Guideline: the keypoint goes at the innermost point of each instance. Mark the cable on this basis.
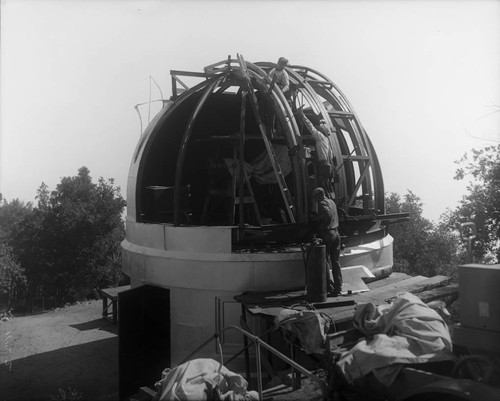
(149, 110)
(158, 86)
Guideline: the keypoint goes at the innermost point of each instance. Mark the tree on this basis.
(481, 204)
(11, 214)
(420, 247)
(70, 244)
(12, 277)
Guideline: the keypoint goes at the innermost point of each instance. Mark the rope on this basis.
(221, 356)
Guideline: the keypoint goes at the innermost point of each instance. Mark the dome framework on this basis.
(230, 150)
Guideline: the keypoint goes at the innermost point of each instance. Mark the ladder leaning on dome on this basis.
(287, 198)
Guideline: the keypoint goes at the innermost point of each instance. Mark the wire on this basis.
(221, 355)
(149, 109)
(136, 107)
(158, 86)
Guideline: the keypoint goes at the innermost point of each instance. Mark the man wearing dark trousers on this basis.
(328, 223)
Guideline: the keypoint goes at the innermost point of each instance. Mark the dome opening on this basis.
(191, 173)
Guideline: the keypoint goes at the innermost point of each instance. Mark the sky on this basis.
(423, 77)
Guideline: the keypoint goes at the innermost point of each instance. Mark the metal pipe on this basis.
(241, 179)
(259, 370)
(199, 348)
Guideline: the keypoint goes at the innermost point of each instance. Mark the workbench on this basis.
(111, 294)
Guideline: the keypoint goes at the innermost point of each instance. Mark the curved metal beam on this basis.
(360, 136)
(183, 147)
(312, 97)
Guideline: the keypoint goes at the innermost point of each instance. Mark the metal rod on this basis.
(241, 177)
(259, 370)
(199, 348)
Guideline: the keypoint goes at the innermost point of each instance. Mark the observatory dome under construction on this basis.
(220, 188)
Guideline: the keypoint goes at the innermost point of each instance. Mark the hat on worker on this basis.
(283, 61)
(318, 192)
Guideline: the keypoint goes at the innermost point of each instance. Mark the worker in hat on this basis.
(327, 220)
(323, 150)
(280, 76)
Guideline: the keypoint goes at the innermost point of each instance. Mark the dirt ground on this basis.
(71, 347)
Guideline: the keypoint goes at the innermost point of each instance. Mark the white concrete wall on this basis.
(197, 265)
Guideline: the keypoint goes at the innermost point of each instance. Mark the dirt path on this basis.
(70, 347)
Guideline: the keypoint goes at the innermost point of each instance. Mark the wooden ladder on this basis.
(287, 198)
(242, 201)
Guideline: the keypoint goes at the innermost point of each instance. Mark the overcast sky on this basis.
(424, 78)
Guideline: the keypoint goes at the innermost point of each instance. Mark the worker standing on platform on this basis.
(328, 222)
(324, 150)
(280, 76)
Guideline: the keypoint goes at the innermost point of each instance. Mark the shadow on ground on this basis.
(97, 324)
(90, 368)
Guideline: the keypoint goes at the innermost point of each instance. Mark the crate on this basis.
(479, 296)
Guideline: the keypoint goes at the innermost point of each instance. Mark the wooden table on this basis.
(111, 294)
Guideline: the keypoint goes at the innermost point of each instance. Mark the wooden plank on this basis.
(414, 285)
(407, 282)
(187, 73)
(112, 293)
(382, 292)
(438, 293)
(342, 314)
(338, 303)
(379, 296)
(393, 278)
(270, 297)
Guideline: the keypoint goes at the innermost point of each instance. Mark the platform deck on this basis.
(342, 308)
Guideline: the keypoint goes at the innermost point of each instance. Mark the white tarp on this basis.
(307, 326)
(202, 379)
(405, 331)
(261, 168)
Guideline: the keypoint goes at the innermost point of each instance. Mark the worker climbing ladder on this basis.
(287, 198)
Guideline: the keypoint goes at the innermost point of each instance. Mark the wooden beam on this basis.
(358, 184)
(450, 290)
(187, 73)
